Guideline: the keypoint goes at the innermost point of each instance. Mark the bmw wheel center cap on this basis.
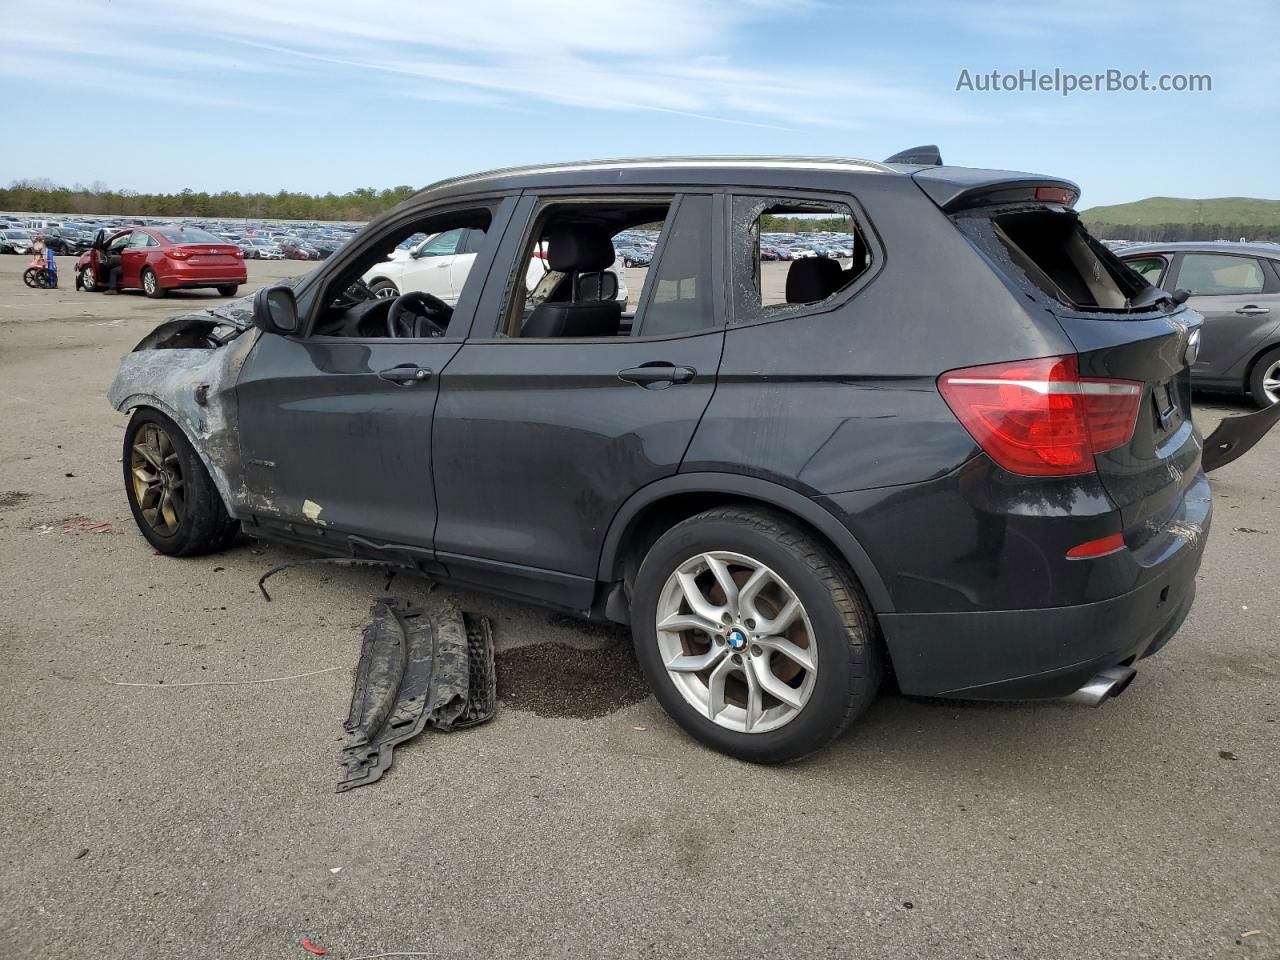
(737, 640)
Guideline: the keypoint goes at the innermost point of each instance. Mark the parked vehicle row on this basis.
(258, 240)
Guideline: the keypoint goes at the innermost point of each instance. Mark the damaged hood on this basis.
(237, 312)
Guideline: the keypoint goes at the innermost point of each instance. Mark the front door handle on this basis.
(406, 374)
(657, 373)
(1252, 310)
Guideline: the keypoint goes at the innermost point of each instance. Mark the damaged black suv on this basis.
(958, 446)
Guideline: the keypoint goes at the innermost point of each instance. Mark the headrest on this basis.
(579, 248)
(812, 279)
(597, 286)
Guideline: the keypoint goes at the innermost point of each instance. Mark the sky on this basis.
(331, 95)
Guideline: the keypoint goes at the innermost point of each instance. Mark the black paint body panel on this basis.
(523, 467)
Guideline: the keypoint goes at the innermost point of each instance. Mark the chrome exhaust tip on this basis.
(1107, 684)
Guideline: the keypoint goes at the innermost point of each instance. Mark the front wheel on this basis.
(384, 289)
(172, 497)
(151, 284)
(1264, 384)
(87, 283)
(753, 635)
(228, 289)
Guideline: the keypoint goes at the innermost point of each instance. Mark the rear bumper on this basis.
(1051, 652)
(203, 276)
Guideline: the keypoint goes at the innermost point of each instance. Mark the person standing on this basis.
(51, 266)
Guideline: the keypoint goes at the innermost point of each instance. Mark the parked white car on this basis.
(439, 265)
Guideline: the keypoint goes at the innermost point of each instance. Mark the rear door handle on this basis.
(1251, 310)
(406, 374)
(657, 373)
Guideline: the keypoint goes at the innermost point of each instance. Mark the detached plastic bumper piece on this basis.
(416, 669)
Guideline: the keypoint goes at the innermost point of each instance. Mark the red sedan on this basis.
(159, 259)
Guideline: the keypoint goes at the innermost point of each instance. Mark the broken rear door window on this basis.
(793, 255)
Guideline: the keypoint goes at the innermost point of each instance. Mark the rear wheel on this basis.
(753, 635)
(229, 289)
(1264, 384)
(383, 289)
(172, 497)
(151, 284)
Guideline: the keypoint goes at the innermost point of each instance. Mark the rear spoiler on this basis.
(957, 188)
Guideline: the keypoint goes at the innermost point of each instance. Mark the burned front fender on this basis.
(187, 369)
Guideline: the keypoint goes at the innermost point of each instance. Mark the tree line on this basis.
(43, 196)
(1183, 231)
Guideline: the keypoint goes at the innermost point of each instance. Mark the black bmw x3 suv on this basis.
(959, 447)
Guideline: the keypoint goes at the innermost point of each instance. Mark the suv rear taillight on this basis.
(1039, 417)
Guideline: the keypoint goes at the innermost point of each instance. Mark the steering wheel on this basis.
(417, 314)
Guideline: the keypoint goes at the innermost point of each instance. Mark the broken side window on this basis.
(790, 255)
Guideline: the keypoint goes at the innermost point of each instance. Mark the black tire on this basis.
(849, 661)
(85, 280)
(384, 288)
(151, 285)
(204, 525)
(1268, 366)
(229, 289)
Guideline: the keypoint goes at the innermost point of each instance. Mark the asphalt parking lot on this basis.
(201, 821)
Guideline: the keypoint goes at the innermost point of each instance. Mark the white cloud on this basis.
(667, 56)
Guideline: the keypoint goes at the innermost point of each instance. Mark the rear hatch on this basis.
(1123, 329)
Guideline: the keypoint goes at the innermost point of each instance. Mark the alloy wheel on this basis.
(86, 279)
(159, 488)
(736, 642)
(1271, 382)
(149, 282)
(385, 293)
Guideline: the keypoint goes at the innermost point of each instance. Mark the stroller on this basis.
(42, 278)
(42, 275)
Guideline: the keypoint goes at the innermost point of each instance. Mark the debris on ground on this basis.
(310, 947)
(337, 561)
(557, 680)
(416, 668)
(11, 498)
(80, 524)
(1227, 755)
(218, 683)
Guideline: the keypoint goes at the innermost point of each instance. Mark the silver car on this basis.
(1236, 287)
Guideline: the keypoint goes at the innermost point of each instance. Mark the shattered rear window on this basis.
(1050, 250)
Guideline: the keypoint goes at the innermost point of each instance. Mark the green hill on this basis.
(1175, 218)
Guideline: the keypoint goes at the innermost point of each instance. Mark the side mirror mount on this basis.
(1180, 295)
(275, 310)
